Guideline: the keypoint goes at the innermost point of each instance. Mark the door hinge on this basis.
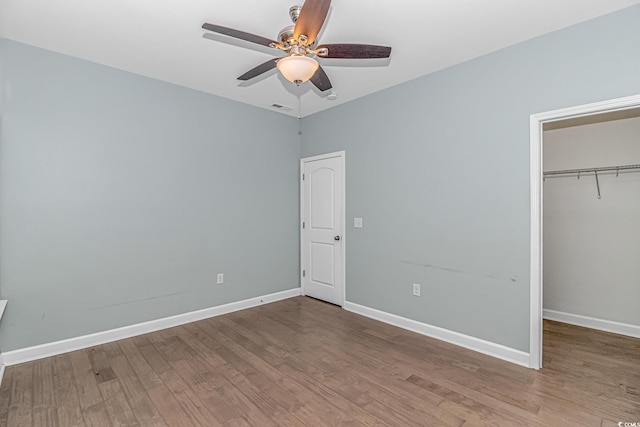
(303, 177)
(303, 224)
(304, 273)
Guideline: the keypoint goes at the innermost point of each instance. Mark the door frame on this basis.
(536, 168)
(341, 155)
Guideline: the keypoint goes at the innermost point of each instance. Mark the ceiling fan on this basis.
(299, 42)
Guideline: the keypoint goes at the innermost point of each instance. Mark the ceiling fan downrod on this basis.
(294, 13)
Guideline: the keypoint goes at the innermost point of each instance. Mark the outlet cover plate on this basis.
(416, 290)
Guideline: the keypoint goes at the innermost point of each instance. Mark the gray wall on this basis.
(122, 197)
(439, 170)
(591, 245)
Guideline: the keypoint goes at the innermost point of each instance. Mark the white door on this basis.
(322, 239)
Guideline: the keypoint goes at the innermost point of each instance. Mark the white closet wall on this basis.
(592, 246)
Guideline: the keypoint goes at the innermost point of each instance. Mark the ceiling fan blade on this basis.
(260, 69)
(311, 19)
(242, 35)
(321, 80)
(353, 51)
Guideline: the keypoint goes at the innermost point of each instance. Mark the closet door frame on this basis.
(536, 123)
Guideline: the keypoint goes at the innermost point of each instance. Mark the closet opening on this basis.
(585, 230)
(591, 235)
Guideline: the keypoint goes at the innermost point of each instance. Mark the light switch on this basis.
(357, 222)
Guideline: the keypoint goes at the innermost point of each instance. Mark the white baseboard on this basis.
(486, 347)
(593, 323)
(54, 348)
(1, 369)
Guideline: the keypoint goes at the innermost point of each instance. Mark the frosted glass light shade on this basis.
(297, 69)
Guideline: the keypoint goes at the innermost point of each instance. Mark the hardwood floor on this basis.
(301, 362)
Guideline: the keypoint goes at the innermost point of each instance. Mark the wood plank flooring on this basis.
(301, 362)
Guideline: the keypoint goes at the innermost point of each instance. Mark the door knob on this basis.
(336, 238)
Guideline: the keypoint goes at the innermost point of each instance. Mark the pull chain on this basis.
(299, 104)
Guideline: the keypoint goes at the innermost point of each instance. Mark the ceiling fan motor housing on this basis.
(286, 35)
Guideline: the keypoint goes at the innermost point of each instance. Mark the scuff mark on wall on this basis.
(511, 278)
(134, 301)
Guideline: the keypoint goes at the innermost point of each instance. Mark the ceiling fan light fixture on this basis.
(297, 69)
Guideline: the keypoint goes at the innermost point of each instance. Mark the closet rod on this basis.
(615, 169)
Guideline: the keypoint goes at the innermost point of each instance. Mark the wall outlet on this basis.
(357, 222)
(220, 278)
(416, 290)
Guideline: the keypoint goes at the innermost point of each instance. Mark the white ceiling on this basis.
(163, 39)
